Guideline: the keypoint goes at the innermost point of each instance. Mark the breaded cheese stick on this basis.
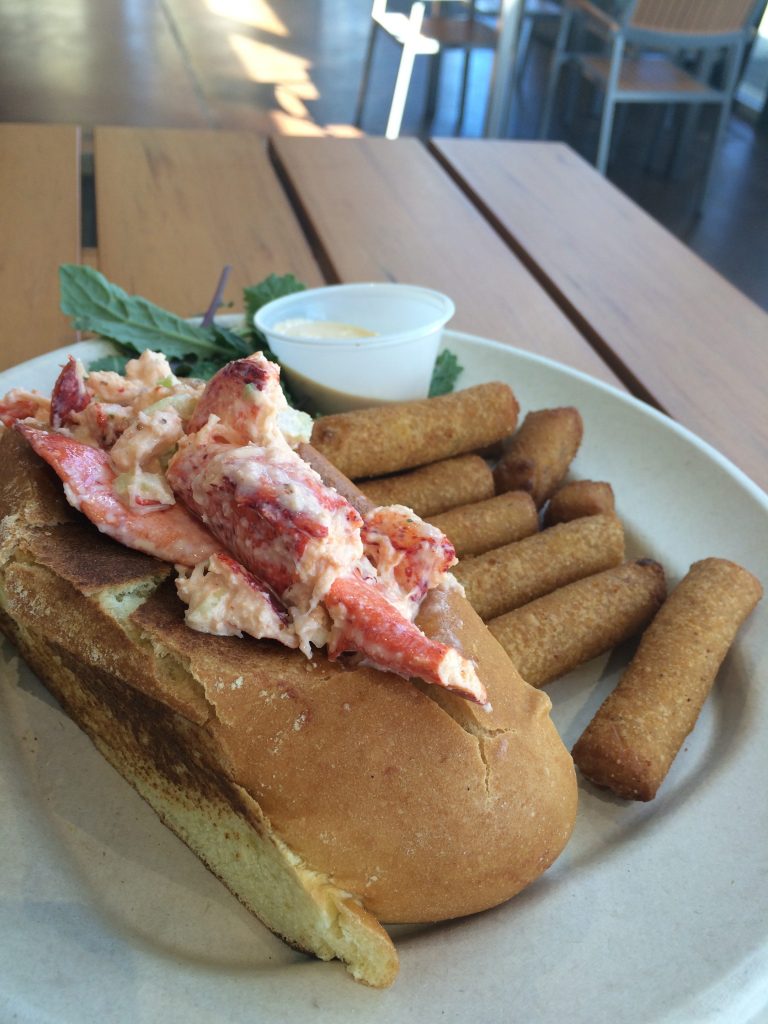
(435, 488)
(579, 498)
(540, 453)
(484, 525)
(557, 632)
(631, 742)
(401, 435)
(508, 577)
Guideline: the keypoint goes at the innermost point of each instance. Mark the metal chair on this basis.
(419, 34)
(642, 62)
(534, 11)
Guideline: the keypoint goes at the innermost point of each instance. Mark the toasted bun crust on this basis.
(389, 799)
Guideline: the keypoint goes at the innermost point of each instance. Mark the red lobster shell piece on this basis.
(69, 394)
(364, 621)
(170, 534)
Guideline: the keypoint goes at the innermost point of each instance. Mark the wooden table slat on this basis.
(40, 229)
(684, 334)
(174, 207)
(386, 210)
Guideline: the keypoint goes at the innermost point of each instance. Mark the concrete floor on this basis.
(294, 66)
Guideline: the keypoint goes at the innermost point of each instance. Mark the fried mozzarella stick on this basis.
(484, 525)
(631, 742)
(579, 498)
(557, 632)
(402, 435)
(508, 577)
(540, 453)
(436, 488)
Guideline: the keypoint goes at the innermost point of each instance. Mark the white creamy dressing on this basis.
(320, 330)
(221, 601)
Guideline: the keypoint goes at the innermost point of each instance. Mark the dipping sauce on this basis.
(300, 327)
(323, 399)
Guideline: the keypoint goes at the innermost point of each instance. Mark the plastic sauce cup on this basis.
(394, 363)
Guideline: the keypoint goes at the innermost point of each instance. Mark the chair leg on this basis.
(404, 72)
(729, 87)
(558, 57)
(574, 94)
(433, 83)
(523, 46)
(663, 126)
(688, 128)
(520, 49)
(463, 93)
(365, 81)
(609, 107)
(683, 141)
(606, 129)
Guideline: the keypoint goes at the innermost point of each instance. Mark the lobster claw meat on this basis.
(171, 534)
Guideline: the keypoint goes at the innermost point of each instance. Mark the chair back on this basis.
(692, 17)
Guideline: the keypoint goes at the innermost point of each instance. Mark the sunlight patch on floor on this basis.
(255, 13)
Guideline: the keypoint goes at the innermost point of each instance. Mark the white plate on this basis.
(655, 912)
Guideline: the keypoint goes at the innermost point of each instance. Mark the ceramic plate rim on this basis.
(378, 1006)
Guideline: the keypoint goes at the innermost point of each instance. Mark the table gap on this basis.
(595, 340)
(89, 238)
(318, 250)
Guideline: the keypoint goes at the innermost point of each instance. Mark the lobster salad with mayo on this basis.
(207, 476)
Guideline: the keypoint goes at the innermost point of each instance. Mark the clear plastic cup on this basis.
(394, 363)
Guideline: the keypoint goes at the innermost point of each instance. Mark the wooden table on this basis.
(536, 249)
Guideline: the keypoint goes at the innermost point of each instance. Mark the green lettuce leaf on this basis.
(97, 305)
(272, 287)
(445, 374)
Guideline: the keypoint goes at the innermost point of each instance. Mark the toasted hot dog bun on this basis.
(327, 798)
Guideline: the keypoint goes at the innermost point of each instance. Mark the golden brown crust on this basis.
(580, 498)
(410, 809)
(89, 561)
(485, 525)
(391, 438)
(165, 759)
(553, 634)
(79, 614)
(29, 487)
(506, 578)
(436, 488)
(540, 453)
(631, 742)
(385, 747)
